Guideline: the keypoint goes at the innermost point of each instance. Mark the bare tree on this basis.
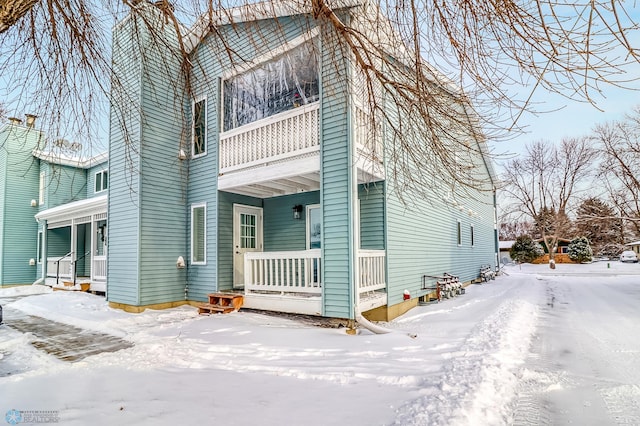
(56, 55)
(543, 184)
(620, 166)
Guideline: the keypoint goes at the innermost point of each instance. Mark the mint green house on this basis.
(53, 210)
(264, 178)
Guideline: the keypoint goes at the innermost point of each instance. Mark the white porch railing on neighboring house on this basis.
(99, 271)
(283, 272)
(281, 136)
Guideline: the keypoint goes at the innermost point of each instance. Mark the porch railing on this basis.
(281, 136)
(99, 268)
(283, 271)
(372, 270)
(60, 267)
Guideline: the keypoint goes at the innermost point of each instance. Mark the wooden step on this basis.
(226, 299)
(210, 308)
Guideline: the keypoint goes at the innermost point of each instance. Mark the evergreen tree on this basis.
(579, 250)
(597, 221)
(525, 249)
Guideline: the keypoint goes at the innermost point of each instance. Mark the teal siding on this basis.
(372, 226)
(19, 185)
(336, 182)
(123, 232)
(63, 184)
(58, 241)
(226, 201)
(281, 231)
(91, 179)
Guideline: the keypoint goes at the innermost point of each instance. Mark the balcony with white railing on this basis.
(264, 150)
(369, 146)
(291, 281)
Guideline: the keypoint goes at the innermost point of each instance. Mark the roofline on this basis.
(80, 163)
(74, 209)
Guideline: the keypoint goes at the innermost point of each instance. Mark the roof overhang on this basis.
(73, 210)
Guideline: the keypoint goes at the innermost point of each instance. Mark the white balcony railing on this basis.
(283, 271)
(372, 271)
(368, 137)
(278, 137)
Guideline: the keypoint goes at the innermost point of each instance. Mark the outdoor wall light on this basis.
(32, 262)
(297, 211)
(33, 203)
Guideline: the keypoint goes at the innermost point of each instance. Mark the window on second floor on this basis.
(283, 83)
(199, 128)
(102, 181)
(41, 190)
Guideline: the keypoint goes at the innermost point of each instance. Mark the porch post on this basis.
(74, 255)
(92, 246)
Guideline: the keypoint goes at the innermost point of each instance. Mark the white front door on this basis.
(247, 236)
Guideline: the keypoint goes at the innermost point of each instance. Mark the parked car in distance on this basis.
(628, 256)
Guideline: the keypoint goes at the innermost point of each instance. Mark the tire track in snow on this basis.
(478, 382)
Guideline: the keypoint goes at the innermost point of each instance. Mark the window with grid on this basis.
(247, 230)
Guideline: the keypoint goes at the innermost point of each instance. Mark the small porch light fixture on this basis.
(297, 211)
(33, 203)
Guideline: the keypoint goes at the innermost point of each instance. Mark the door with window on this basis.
(247, 237)
(314, 239)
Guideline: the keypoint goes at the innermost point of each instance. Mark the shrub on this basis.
(525, 249)
(579, 250)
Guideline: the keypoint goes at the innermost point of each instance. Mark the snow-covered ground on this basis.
(538, 346)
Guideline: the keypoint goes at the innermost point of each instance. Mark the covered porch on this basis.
(269, 179)
(72, 244)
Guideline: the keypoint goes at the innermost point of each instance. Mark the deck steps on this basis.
(221, 303)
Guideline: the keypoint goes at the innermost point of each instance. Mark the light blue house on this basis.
(265, 178)
(53, 210)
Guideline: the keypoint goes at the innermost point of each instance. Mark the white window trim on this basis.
(193, 126)
(193, 207)
(43, 177)
(459, 232)
(261, 59)
(473, 235)
(307, 216)
(39, 247)
(95, 179)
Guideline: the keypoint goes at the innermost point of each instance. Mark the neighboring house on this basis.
(271, 191)
(505, 251)
(635, 246)
(52, 211)
(561, 255)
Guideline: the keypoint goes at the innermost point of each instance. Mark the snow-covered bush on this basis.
(525, 249)
(579, 250)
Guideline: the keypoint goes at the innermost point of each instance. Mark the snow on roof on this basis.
(635, 243)
(506, 244)
(65, 160)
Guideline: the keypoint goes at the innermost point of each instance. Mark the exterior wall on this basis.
(91, 179)
(19, 182)
(63, 184)
(336, 182)
(58, 241)
(147, 209)
(224, 265)
(281, 231)
(372, 208)
(123, 232)
(210, 61)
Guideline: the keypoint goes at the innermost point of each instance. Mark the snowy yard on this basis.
(538, 346)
